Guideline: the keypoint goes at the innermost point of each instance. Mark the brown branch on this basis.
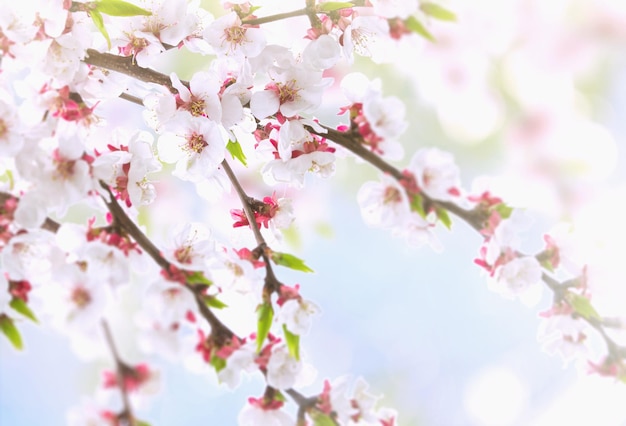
(277, 17)
(131, 98)
(120, 371)
(271, 282)
(220, 332)
(352, 142)
(243, 197)
(304, 405)
(126, 65)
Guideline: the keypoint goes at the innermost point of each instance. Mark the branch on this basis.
(126, 65)
(219, 331)
(277, 17)
(351, 141)
(120, 371)
(304, 405)
(271, 282)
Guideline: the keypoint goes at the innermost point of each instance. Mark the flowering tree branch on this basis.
(57, 152)
(220, 332)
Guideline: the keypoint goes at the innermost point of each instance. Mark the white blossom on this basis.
(436, 173)
(296, 315)
(282, 368)
(520, 277)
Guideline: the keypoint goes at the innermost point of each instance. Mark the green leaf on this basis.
(197, 277)
(582, 306)
(214, 302)
(321, 419)
(266, 315)
(120, 8)
(417, 205)
(7, 177)
(9, 329)
(20, 306)
(234, 147)
(546, 264)
(96, 17)
(329, 6)
(218, 363)
(503, 210)
(290, 261)
(141, 423)
(417, 27)
(293, 343)
(443, 216)
(438, 12)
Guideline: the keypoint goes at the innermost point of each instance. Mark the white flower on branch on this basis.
(256, 413)
(282, 368)
(384, 204)
(197, 148)
(229, 37)
(76, 299)
(292, 91)
(366, 36)
(437, 173)
(519, 277)
(241, 360)
(296, 315)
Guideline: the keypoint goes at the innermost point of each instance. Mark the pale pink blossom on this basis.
(322, 53)
(144, 47)
(229, 37)
(385, 115)
(366, 36)
(296, 315)
(197, 148)
(169, 302)
(190, 246)
(436, 173)
(292, 91)
(201, 98)
(384, 204)
(76, 299)
(418, 232)
(563, 334)
(518, 278)
(255, 414)
(125, 167)
(282, 368)
(292, 171)
(241, 360)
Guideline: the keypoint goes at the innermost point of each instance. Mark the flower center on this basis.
(81, 297)
(196, 143)
(196, 107)
(235, 34)
(391, 195)
(287, 92)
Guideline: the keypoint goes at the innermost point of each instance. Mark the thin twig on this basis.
(271, 282)
(274, 18)
(126, 65)
(120, 370)
(243, 197)
(219, 330)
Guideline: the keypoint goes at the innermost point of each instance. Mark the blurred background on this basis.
(530, 97)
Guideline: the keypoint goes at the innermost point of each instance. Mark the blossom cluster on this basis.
(68, 66)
